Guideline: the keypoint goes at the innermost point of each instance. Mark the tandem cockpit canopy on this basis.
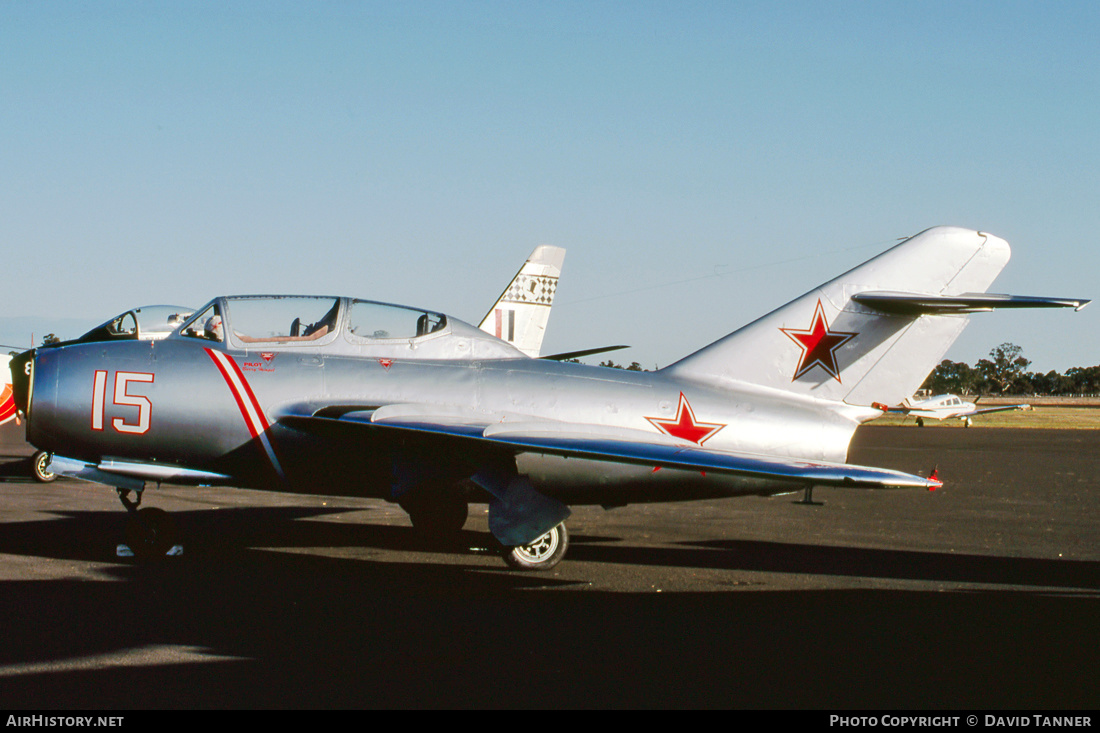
(304, 320)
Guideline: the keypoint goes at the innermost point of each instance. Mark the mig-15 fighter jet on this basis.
(343, 395)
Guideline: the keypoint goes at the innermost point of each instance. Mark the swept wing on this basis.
(509, 435)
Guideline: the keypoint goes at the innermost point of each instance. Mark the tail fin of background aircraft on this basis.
(520, 314)
(873, 334)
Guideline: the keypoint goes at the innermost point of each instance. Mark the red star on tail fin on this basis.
(819, 345)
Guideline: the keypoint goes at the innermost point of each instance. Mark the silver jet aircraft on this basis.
(342, 395)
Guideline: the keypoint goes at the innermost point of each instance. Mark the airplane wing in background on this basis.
(1000, 408)
(584, 352)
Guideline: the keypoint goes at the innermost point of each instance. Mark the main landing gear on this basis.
(441, 518)
(151, 534)
(542, 554)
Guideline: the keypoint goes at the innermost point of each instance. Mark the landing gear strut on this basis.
(808, 498)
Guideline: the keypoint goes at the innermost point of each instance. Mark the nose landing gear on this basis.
(40, 466)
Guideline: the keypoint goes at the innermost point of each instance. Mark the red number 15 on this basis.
(123, 397)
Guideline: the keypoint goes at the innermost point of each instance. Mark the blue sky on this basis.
(702, 162)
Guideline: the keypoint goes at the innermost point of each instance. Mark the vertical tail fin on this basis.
(829, 345)
(520, 314)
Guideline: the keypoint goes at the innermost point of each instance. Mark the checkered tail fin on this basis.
(521, 313)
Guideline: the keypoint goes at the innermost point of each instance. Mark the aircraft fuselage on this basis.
(188, 402)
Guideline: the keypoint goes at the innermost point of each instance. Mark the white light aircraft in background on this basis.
(946, 407)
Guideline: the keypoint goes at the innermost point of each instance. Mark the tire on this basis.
(38, 467)
(542, 554)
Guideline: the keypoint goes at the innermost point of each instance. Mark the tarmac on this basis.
(983, 595)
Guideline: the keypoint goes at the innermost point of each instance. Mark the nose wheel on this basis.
(39, 464)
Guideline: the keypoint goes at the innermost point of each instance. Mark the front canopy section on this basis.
(147, 323)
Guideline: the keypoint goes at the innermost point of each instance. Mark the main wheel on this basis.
(39, 463)
(542, 554)
(151, 533)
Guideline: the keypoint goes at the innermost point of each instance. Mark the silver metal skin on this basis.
(337, 395)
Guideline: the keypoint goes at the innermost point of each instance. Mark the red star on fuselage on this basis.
(819, 345)
(685, 426)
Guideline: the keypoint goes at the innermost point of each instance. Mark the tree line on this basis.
(1006, 372)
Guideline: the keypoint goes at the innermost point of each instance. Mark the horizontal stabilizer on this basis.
(912, 304)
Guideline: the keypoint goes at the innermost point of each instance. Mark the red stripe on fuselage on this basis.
(234, 391)
(254, 418)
